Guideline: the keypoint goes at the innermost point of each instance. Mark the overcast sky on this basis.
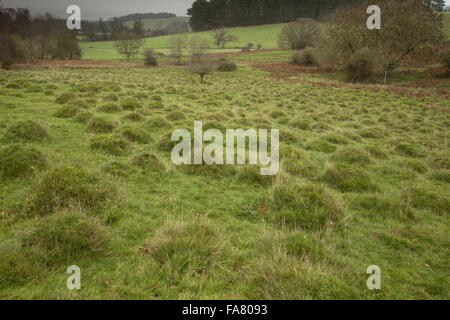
(93, 9)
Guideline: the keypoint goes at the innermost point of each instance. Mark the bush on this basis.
(27, 131)
(64, 237)
(101, 125)
(149, 161)
(70, 188)
(305, 57)
(110, 143)
(150, 58)
(361, 66)
(306, 205)
(226, 66)
(300, 34)
(20, 160)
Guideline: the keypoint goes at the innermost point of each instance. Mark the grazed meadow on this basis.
(86, 179)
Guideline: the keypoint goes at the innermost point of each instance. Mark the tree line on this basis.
(212, 14)
(31, 38)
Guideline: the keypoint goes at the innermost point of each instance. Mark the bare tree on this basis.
(197, 47)
(300, 34)
(129, 44)
(399, 36)
(31, 49)
(178, 45)
(222, 36)
(201, 68)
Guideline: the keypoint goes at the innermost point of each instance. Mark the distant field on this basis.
(155, 23)
(447, 24)
(265, 35)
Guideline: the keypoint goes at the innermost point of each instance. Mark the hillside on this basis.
(265, 35)
(158, 23)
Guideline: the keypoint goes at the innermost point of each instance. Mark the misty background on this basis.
(94, 9)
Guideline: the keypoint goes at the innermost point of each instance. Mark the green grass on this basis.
(265, 35)
(364, 181)
(158, 23)
(446, 18)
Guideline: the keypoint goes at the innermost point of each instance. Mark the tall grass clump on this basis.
(19, 160)
(27, 131)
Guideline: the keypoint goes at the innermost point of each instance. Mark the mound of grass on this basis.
(305, 205)
(441, 175)
(352, 155)
(149, 161)
(27, 131)
(302, 245)
(252, 174)
(347, 178)
(66, 111)
(70, 187)
(83, 116)
(134, 134)
(321, 145)
(110, 143)
(420, 197)
(101, 125)
(130, 104)
(65, 97)
(19, 160)
(158, 122)
(134, 116)
(176, 116)
(110, 108)
(65, 237)
(165, 143)
(213, 170)
(409, 150)
(376, 151)
(187, 248)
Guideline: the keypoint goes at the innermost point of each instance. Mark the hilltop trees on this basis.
(207, 15)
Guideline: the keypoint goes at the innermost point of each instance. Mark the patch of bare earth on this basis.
(419, 89)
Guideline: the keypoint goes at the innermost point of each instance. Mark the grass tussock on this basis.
(27, 131)
(19, 160)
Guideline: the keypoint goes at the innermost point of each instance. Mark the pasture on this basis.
(364, 180)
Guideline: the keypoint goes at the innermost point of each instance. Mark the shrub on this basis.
(110, 143)
(64, 237)
(300, 34)
(348, 179)
(101, 125)
(70, 188)
(18, 160)
(27, 131)
(306, 205)
(360, 66)
(305, 57)
(226, 66)
(149, 161)
(187, 248)
(201, 68)
(150, 58)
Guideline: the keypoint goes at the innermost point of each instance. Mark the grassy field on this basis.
(158, 23)
(447, 24)
(266, 35)
(86, 180)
